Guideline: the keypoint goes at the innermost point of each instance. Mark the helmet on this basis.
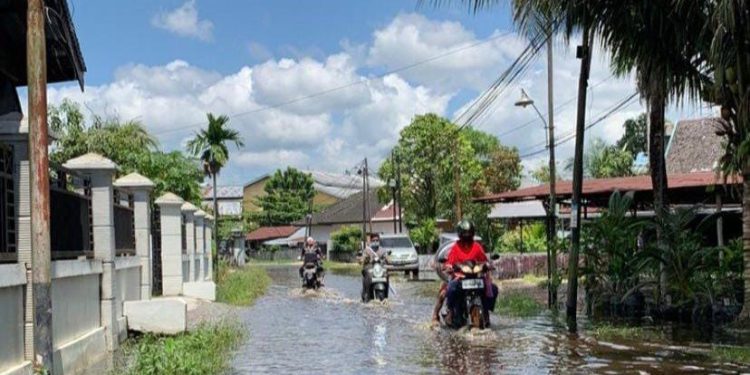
(310, 241)
(465, 230)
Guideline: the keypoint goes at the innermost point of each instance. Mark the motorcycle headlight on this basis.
(465, 269)
(478, 268)
(378, 272)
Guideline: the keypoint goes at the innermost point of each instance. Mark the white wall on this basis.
(185, 268)
(75, 299)
(11, 326)
(128, 274)
(322, 233)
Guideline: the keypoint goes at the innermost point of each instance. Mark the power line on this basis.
(348, 85)
(572, 135)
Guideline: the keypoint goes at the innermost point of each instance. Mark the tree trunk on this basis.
(215, 253)
(658, 169)
(745, 314)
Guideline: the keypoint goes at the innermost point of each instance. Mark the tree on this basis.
(210, 145)
(541, 173)
(128, 144)
(605, 161)
(634, 140)
(287, 199)
(504, 170)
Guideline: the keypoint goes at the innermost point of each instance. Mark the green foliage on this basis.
(517, 305)
(631, 333)
(736, 354)
(228, 224)
(203, 351)
(541, 173)
(425, 235)
(210, 144)
(604, 161)
(241, 286)
(504, 170)
(614, 260)
(126, 143)
(347, 239)
(287, 198)
(534, 239)
(634, 139)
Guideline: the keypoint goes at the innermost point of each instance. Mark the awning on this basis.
(533, 209)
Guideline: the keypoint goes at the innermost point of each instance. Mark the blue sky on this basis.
(167, 63)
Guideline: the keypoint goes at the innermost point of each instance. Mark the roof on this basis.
(340, 185)
(64, 57)
(523, 209)
(223, 192)
(269, 233)
(256, 180)
(347, 211)
(386, 213)
(695, 146)
(606, 186)
(297, 236)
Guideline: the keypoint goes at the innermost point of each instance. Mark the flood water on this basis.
(331, 332)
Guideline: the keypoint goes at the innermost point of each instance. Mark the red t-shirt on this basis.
(461, 253)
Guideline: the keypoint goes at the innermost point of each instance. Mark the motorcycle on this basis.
(473, 289)
(310, 272)
(379, 282)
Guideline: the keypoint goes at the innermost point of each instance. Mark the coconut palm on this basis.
(211, 146)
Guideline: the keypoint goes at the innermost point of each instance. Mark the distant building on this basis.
(228, 197)
(330, 188)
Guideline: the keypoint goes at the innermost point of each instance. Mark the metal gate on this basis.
(156, 251)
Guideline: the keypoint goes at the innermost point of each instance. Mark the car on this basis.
(402, 256)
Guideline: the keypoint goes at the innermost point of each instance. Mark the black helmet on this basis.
(465, 230)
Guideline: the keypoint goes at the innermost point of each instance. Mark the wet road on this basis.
(331, 332)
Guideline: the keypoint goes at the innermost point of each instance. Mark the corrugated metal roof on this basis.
(268, 233)
(223, 192)
(512, 210)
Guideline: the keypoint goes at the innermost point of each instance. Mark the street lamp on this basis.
(392, 185)
(523, 102)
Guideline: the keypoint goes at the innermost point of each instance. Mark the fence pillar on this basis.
(101, 170)
(141, 188)
(189, 209)
(209, 225)
(171, 243)
(200, 244)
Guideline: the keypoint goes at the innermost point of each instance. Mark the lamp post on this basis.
(392, 185)
(523, 102)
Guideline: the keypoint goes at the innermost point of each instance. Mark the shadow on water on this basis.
(330, 331)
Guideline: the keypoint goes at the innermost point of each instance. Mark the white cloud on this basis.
(271, 159)
(184, 21)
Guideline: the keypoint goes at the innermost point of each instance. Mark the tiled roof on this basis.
(223, 192)
(695, 146)
(269, 233)
(386, 213)
(609, 185)
(347, 211)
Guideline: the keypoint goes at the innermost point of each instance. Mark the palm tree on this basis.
(728, 30)
(210, 145)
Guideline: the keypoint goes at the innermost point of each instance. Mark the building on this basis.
(694, 146)
(228, 197)
(349, 212)
(286, 233)
(330, 188)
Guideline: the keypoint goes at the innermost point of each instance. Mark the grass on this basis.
(538, 281)
(206, 350)
(736, 354)
(340, 268)
(517, 305)
(241, 286)
(632, 333)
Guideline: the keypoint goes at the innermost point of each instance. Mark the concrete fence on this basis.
(93, 285)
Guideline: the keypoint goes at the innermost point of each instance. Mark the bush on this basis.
(241, 286)
(346, 239)
(517, 305)
(534, 240)
(425, 235)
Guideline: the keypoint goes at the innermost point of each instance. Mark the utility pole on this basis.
(457, 181)
(364, 204)
(367, 196)
(583, 53)
(36, 62)
(398, 193)
(551, 210)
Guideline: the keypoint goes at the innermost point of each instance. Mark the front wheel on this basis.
(380, 294)
(477, 317)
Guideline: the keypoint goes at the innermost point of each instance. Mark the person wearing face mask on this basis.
(372, 251)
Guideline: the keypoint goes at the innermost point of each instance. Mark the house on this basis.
(329, 188)
(229, 199)
(348, 212)
(258, 237)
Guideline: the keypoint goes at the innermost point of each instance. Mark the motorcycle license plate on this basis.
(468, 284)
(378, 279)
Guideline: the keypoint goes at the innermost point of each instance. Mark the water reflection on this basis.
(331, 332)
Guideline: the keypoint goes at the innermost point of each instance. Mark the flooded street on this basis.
(331, 332)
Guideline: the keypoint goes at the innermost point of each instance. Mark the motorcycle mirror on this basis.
(495, 256)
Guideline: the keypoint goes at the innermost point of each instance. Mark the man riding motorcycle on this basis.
(311, 250)
(464, 250)
(371, 251)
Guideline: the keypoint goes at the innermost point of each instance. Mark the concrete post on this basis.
(171, 243)
(141, 188)
(200, 244)
(209, 246)
(188, 209)
(100, 170)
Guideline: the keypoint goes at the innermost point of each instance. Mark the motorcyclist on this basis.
(464, 250)
(371, 251)
(311, 252)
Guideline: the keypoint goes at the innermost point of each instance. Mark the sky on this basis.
(323, 84)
